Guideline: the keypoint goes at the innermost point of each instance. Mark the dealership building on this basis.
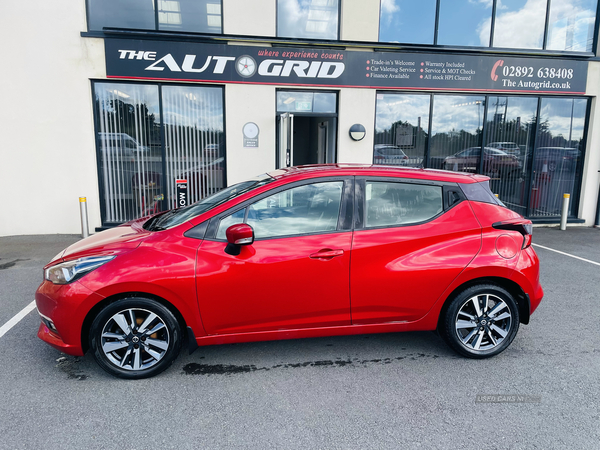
(117, 100)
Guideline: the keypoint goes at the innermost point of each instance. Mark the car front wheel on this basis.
(481, 321)
(135, 338)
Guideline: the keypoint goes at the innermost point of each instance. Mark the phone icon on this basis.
(499, 63)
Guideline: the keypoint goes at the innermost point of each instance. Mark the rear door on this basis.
(411, 240)
(294, 275)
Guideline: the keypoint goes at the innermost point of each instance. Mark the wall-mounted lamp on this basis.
(357, 132)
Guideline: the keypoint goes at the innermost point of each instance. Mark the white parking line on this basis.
(566, 254)
(16, 319)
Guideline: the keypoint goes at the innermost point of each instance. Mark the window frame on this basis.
(160, 85)
(490, 45)
(360, 202)
(156, 23)
(339, 25)
(345, 218)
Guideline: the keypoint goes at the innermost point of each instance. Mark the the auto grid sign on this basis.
(201, 62)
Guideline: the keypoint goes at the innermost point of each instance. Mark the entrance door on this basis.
(307, 128)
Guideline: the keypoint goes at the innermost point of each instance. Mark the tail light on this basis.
(525, 227)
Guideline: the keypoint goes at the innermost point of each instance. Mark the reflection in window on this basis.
(557, 155)
(314, 19)
(306, 209)
(389, 204)
(510, 132)
(519, 24)
(463, 22)
(571, 25)
(456, 127)
(407, 21)
(200, 16)
(138, 14)
(226, 222)
(302, 101)
(401, 129)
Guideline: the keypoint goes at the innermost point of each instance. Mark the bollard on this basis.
(84, 217)
(564, 212)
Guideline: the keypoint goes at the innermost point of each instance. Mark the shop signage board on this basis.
(203, 62)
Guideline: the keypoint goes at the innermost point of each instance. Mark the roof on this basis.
(345, 169)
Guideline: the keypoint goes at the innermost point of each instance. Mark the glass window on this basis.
(302, 101)
(194, 139)
(559, 150)
(401, 129)
(465, 22)
(133, 155)
(520, 23)
(200, 16)
(571, 25)
(226, 222)
(389, 204)
(137, 14)
(308, 209)
(456, 126)
(510, 136)
(407, 21)
(314, 19)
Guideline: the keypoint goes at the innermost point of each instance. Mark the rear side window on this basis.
(480, 192)
(389, 203)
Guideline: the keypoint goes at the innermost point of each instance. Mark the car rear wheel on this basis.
(135, 338)
(481, 321)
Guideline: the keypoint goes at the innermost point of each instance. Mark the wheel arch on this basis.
(95, 310)
(513, 288)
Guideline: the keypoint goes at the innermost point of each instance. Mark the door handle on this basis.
(326, 254)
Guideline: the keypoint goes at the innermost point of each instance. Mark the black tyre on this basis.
(481, 321)
(135, 338)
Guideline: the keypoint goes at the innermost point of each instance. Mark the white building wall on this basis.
(47, 150)
(249, 103)
(356, 106)
(360, 20)
(250, 17)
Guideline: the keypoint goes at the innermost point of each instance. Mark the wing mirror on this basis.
(237, 236)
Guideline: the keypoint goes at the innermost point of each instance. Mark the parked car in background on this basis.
(120, 142)
(509, 147)
(552, 158)
(494, 161)
(389, 154)
(280, 256)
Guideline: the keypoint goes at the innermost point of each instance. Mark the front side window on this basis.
(309, 209)
(312, 19)
(390, 203)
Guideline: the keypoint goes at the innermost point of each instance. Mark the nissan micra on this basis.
(300, 252)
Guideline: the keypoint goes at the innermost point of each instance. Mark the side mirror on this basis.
(238, 235)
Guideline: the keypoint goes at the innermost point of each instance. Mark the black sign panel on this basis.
(186, 61)
(182, 193)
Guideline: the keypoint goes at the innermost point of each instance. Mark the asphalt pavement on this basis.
(405, 390)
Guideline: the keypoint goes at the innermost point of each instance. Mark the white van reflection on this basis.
(119, 142)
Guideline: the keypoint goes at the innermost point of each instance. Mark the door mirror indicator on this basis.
(238, 235)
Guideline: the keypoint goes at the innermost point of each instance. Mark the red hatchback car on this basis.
(300, 252)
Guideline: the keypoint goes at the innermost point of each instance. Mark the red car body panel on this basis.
(398, 273)
(371, 280)
(274, 284)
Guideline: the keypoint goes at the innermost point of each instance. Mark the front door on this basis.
(294, 275)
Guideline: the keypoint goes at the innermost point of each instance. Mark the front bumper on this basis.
(66, 306)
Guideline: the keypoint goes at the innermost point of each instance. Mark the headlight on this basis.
(69, 271)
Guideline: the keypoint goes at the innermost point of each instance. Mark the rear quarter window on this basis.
(390, 203)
